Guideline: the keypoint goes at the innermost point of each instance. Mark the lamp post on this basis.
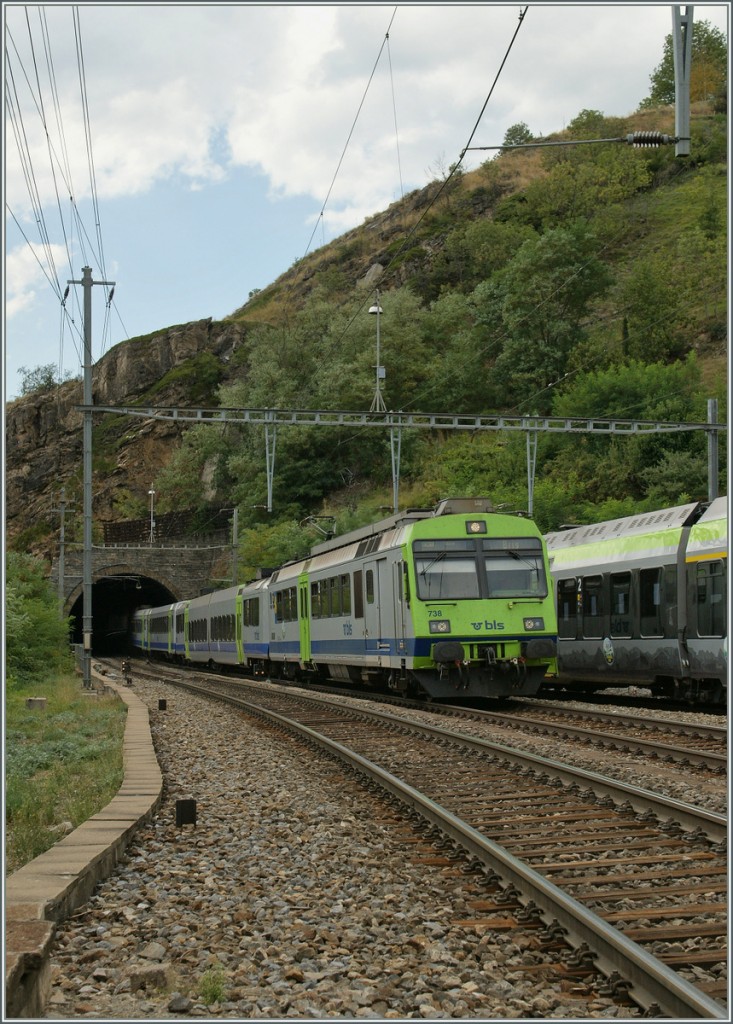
(378, 402)
(395, 436)
(151, 492)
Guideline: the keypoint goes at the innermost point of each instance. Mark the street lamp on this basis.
(378, 402)
(151, 492)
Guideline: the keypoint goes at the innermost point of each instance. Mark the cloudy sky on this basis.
(202, 149)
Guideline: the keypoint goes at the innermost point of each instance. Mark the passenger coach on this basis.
(643, 601)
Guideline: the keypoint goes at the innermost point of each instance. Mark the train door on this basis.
(398, 602)
(238, 628)
(304, 619)
(373, 582)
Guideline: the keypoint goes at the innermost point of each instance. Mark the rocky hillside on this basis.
(44, 430)
(180, 366)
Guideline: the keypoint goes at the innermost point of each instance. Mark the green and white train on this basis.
(642, 601)
(430, 601)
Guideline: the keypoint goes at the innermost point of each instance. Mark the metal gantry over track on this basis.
(396, 422)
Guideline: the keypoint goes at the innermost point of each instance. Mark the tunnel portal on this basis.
(114, 600)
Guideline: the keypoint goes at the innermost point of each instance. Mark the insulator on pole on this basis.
(649, 140)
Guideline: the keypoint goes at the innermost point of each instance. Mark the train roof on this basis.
(709, 535)
(448, 506)
(628, 526)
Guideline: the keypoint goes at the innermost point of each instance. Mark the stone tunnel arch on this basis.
(116, 593)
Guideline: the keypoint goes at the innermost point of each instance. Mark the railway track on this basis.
(635, 883)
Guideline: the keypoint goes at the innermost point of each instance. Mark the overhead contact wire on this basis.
(351, 132)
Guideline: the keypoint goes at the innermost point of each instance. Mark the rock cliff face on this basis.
(44, 444)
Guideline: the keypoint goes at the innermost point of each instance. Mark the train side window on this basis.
(621, 604)
(316, 600)
(711, 594)
(669, 611)
(593, 607)
(370, 586)
(346, 595)
(335, 596)
(650, 602)
(567, 608)
(358, 595)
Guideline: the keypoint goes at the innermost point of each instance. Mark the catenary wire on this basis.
(351, 132)
(362, 303)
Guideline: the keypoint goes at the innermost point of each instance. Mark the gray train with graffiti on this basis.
(643, 601)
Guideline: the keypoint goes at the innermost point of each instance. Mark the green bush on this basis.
(37, 639)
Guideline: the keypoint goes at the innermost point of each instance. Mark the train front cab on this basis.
(481, 606)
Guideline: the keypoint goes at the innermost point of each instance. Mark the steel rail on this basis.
(632, 719)
(608, 739)
(657, 988)
(427, 420)
(666, 808)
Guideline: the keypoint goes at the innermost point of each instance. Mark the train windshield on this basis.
(514, 567)
(446, 576)
(454, 570)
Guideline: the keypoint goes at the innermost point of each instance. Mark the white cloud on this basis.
(24, 277)
(282, 83)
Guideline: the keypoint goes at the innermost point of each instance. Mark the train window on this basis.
(346, 595)
(251, 612)
(670, 601)
(567, 608)
(316, 600)
(370, 586)
(711, 595)
(650, 602)
(516, 571)
(621, 604)
(334, 596)
(446, 577)
(358, 595)
(593, 606)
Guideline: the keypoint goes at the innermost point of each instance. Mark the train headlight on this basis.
(533, 624)
(439, 626)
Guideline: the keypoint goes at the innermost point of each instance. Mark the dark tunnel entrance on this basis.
(114, 599)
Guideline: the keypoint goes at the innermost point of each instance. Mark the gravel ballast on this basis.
(297, 894)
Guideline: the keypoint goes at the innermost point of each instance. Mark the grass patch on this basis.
(62, 763)
(213, 985)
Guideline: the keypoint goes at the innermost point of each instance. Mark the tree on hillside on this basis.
(40, 378)
(534, 309)
(517, 135)
(708, 70)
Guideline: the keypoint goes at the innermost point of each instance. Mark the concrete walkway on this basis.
(48, 889)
